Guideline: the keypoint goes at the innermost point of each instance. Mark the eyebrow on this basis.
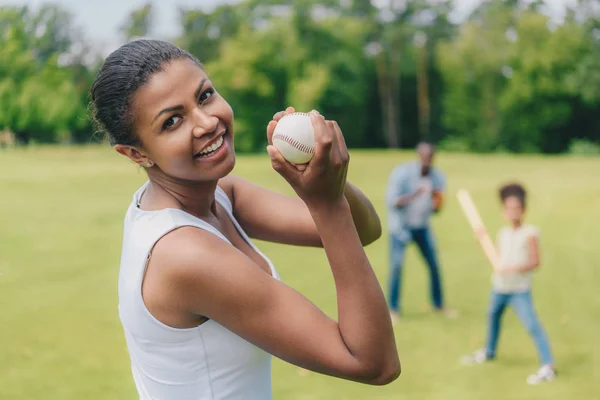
(180, 107)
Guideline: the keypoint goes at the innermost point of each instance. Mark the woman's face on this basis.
(184, 126)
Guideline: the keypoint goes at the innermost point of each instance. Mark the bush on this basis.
(584, 147)
(454, 144)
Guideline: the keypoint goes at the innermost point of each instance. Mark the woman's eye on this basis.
(171, 122)
(206, 95)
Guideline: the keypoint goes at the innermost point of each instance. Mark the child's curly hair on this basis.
(513, 190)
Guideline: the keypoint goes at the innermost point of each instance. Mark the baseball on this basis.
(294, 137)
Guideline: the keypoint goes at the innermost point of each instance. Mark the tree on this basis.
(511, 79)
(52, 32)
(395, 29)
(538, 99)
(203, 32)
(39, 98)
(139, 22)
(472, 66)
(299, 58)
(423, 87)
(586, 78)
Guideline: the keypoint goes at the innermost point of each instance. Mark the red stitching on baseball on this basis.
(294, 143)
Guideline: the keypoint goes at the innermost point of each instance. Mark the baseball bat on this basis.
(478, 227)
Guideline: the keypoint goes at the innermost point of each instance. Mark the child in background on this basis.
(518, 248)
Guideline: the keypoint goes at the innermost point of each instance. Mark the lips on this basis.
(211, 148)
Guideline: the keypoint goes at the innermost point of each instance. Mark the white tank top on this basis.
(205, 362)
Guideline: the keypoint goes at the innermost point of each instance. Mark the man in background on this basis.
(414, 193)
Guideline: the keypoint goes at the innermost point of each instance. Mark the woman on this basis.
(201, 306)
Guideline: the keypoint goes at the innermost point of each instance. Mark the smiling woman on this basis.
(202, 308)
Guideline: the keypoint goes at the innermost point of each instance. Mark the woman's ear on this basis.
(134, 155)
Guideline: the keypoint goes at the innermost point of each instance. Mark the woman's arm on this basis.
(268, 215)
(220, 282)
(364, 216)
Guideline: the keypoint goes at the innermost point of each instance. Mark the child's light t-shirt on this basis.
(513, 249)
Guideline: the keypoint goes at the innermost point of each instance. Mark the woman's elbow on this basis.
(372, 234)
(385, 374)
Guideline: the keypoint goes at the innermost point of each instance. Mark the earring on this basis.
(149, 164)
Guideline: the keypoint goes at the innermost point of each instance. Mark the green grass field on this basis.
(61, 213)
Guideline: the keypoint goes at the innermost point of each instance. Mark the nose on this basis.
(204, 123)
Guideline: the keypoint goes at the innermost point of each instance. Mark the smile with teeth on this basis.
(212, 148)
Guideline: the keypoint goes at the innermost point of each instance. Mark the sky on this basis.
(100, 19)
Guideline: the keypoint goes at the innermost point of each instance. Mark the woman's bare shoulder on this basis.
(227, 183)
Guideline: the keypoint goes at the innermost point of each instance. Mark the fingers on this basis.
(273, 123)
(280, 114)
(270, 130)
(341, 142)
(342, 151)
(324, 138)
(336, 156)
(330, 143)
(289, 172)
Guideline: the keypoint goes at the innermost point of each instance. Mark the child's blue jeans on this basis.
(522, 304)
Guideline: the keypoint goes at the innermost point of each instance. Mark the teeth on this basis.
(213, 147)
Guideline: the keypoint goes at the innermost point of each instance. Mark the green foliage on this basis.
(508, 78)
(138, 23)
(454, 144)
(240, 78)
(537, 96)
(512, 83)
(53, 32)
(317, 66)
(203, 31)
(40, 98)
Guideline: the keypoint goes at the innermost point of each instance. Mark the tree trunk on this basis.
(394, 87)
(386, 99)
(388, 80)
(423, 93)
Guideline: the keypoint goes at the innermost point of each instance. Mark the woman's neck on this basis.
(196, 198)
